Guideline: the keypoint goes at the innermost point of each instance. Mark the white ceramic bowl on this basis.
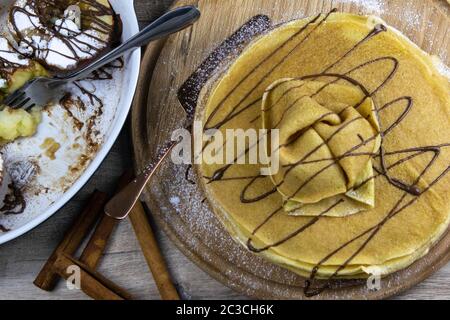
(125, 8)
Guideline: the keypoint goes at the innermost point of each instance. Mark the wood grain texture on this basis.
(21, 259)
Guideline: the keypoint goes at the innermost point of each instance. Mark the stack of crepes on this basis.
(331, 205)
(318, 137)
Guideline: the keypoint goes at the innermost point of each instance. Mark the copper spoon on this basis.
(121, 205)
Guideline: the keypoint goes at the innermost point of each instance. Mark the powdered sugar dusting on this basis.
(442, 67)
(183, 207)
(175, 201)
(189, 92)
(404, 16)
(371, 6)
(7, 53)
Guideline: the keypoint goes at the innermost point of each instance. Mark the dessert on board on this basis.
(363, 116)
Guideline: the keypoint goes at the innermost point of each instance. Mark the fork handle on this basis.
(171, 22)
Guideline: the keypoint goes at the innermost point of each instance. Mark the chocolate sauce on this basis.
(14, 202)
(187, 175)
(7, 66)
(189, 95)
(105, 73)
(234, 111)
(45, 11)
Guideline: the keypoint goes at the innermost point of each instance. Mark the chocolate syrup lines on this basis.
(371, 232)
(105, 73)
(6, 64)
(375, 31)
(410, 193)
(41, 15)
(309, 292)
(14, 202)
(296, 232)
(395, 182)
(348, 73)
(232, 114)
(300, 32)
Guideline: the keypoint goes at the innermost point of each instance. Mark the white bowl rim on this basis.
(123, 110)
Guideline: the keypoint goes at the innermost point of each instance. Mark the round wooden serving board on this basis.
(178, 205)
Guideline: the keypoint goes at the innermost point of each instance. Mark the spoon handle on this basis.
(171, 22)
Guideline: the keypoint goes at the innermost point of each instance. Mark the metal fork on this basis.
(41, 91)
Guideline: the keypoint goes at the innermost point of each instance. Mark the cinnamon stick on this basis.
(97, 243)
(47, 278)
(152, 253)
(92, 283)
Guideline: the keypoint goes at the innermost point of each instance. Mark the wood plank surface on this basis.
(21, 259)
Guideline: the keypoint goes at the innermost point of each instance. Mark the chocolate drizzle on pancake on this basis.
(410, 192)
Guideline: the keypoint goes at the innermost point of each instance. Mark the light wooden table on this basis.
(21, 259)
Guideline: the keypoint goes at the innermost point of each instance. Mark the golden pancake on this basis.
(363, 118)
(329, 127)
